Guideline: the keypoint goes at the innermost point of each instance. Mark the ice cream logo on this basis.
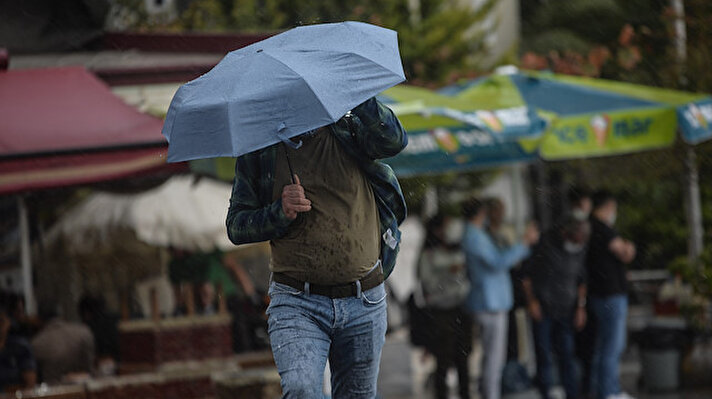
(697, 114)
(490, 120)
(601, 125)
(446, 140)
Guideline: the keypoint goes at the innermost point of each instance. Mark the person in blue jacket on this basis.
(490, 297)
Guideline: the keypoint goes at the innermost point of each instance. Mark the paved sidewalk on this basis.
(404, 373)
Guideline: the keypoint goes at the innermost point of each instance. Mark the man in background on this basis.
(18, 368)
(608, 255)
(555, 290)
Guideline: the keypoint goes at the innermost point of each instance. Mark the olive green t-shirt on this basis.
(337, 241)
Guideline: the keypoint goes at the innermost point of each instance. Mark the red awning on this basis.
(63, 126)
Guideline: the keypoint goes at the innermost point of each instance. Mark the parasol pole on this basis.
(25, 259)
(692, 188)
(694, 208)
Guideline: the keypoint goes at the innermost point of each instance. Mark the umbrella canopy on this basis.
(183, 212)
(444, 135)
(281, 87)
(596, 117)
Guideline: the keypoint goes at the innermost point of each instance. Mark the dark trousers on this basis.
(451, 346)
(555, 336)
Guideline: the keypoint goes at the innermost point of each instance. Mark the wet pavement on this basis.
(404, 375)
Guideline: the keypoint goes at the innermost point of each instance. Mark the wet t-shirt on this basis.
(337, 241)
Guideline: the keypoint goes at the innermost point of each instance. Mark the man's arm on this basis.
(533, 305)
(623, 249)
(247, 219)
(377, 131)
(580, 316)
(482, 247)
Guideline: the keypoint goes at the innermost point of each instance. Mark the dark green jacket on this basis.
(375, 133)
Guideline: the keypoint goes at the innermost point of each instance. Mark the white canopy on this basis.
(184, 212)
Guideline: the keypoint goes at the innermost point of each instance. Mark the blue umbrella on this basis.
(279, 88)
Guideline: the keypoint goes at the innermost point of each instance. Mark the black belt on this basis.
(372, 279)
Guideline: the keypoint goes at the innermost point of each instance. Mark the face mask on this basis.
(579, 214)
(572, 247)
(612, 218)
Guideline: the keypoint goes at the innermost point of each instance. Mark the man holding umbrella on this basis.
(298, 111)
(328, 253)
(332, 227)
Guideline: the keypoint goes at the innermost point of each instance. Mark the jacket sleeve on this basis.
(248, 220)
(377, 131)
(482, 248)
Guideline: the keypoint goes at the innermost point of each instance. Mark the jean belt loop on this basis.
(358, 289)
(306, 288)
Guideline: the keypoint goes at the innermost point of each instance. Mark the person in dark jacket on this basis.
(555, 287)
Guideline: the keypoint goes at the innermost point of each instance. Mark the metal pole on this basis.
(692, 187)
(25, 259)
(694, 207)
(518, 199)
(541, 189)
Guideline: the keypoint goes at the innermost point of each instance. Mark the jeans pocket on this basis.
(374, 296)
(278, 288)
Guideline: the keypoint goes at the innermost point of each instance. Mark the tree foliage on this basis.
(437, 38)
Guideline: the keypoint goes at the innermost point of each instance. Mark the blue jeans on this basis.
(557, 335)
(306, 329)
(610, 312)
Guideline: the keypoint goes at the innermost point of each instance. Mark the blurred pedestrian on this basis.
(64, 350)
(333, 230)
(580, 205)
(608, 254)
(18, 369)
(490, 296)
(555, 288)
(503, 239)
(441, 269)
(104, 326)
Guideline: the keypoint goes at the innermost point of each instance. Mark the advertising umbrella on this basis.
(281, 87)
(446, 134)
(596, 117)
